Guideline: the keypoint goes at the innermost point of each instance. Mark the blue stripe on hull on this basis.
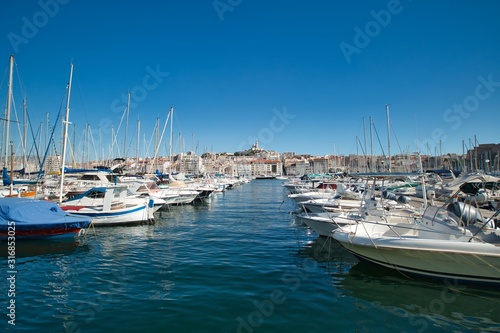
(110, 213)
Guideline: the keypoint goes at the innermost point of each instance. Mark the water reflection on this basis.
(39, 247)
(426, 304)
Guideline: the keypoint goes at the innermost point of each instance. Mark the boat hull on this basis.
(140, 214)
(325, 223)
(322, 226)
(37, 219)
(458, 260)
(41, 231)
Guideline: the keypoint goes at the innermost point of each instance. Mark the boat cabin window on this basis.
(142, 189)
(89, 177)
(96, 195)
(152, 186)
(111, 178)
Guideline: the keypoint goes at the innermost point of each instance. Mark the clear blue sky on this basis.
(299, 76)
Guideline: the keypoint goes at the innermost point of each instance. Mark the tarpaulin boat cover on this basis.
(35, 213)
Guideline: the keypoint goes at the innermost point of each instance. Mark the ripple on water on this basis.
(237, 263)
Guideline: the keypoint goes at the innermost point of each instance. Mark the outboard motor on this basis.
(466, 213)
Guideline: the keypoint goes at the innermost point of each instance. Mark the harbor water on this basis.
(238, 262)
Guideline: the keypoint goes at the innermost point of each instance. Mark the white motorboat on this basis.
(324, 223)
(331, 204)
(440, 244)
(478, 180)
(311, 195)
(108, 206)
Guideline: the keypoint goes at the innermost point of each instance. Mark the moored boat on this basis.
(35, 219)
(109, 206)
(440, 244)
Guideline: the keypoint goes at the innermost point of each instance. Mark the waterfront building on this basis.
(265, 167)
(190, 163)
(319, 165)
(52, 163)
(483, 157)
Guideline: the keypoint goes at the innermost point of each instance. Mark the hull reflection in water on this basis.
(425, 304)
(40, 247)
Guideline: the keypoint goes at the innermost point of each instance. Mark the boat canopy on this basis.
(27, 211)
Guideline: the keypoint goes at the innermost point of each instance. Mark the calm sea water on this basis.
(237, 263)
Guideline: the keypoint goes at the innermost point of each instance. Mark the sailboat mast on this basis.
(475, 152)
(364, 138)
(65, 135)
(25, 126)
(138, 144)
(171, 137)
(11, 168)
(7, 113)
(126, 127)
(155, 155)
(388, 136)
(371, 144)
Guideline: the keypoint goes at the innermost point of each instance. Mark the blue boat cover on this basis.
(43, 214)
(6, 179)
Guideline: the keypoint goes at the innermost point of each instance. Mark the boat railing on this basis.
(412, 228)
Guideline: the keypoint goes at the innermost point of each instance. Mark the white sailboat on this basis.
(13, 187)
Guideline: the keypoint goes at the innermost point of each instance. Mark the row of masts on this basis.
(158, 137)
(369, 167)
(388, 160)
(49, 142)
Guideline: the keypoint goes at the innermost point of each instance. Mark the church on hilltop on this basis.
(255, 148)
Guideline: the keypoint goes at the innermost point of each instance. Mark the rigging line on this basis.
(19, 79)
(416, 133)
(4, 76)
(14, 109)
(381, 252)
(132, 140)
(52, 129)
(362, 150)
(33, 137)
(22, 89)
(152, 135)
(91, 138)
(396, 137)
(71, 151)
(161, 137)
(33, 145)
(50, 140)
(380, 143)
(12, 121)
(78, 85)
(114, 140)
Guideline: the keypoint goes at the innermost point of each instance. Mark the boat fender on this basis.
(388, 195)
(151, 203)
(402, 199)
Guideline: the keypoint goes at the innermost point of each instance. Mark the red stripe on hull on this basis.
(41, 233)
